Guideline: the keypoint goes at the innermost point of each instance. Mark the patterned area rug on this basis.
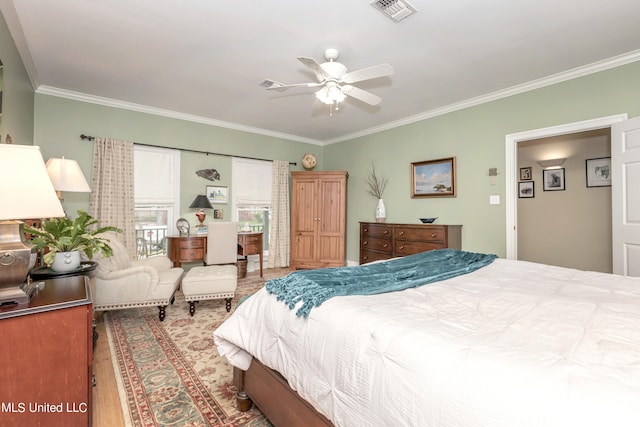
(169, 373)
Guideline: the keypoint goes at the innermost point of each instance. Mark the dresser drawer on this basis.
(190, 243)
(377, 244)
(375, 230)
(191, 254)
(435, 234)
(409, 247)
(249, 239)
(370, 256)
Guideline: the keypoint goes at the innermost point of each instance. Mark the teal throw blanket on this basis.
(313, 287)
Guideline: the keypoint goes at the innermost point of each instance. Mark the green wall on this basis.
(17, 96)
(476, 137)
(59, 122)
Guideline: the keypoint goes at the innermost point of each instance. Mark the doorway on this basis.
(567, 221)
(512, 172)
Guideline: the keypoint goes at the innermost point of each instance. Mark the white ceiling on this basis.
(203, 60)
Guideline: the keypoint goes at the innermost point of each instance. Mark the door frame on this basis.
(511, 166)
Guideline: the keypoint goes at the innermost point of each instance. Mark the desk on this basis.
(193, 247)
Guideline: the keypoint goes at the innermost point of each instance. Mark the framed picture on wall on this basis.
(433, 178)
(598, 172)
(525, 174)
(553, 179)
(217, 194)
(525, 190)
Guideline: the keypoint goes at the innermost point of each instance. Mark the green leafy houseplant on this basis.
(66, 235)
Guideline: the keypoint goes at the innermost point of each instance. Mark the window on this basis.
(157, 196)
(252, 196)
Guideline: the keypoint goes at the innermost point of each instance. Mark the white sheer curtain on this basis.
(279, 243)
(112, 195)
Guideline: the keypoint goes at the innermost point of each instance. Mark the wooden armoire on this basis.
(318, 219)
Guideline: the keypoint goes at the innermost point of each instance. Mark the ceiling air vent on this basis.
(394, 9)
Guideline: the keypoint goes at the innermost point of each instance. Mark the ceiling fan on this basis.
(335, 81)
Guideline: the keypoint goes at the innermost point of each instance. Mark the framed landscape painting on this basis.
(434, 178)
(217, 194)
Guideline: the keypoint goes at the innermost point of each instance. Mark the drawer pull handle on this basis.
(365, 243)
(366, 229)
(386, 231)
(385, 245)
(401, 233)
(401, 247)
(434, 234)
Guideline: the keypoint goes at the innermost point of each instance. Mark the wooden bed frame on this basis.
(272, 395)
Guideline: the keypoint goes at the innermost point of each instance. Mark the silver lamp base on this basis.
(16, 260)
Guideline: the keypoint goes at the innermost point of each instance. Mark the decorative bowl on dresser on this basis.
(383, 241)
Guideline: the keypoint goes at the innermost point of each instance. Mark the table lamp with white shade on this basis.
(66, 175)
(26, 192)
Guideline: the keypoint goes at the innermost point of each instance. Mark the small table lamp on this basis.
(26, 192)
(202, 202)
(66, 175)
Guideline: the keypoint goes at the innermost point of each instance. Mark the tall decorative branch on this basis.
(376, 183)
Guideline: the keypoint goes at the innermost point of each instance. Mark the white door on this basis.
(625, 196)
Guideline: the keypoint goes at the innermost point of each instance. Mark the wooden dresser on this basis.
(383, 241)
(46, 357)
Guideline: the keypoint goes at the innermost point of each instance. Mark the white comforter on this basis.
(512, 344)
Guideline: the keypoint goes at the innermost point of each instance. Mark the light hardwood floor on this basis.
(107, 411)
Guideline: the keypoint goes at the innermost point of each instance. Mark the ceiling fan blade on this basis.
(272, 84)
(374, 72)
(321, 74)
(361, 95)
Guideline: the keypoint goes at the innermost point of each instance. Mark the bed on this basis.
(511, 344)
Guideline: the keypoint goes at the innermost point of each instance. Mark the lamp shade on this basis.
(201, 202)
(66, 175)
(25, 188)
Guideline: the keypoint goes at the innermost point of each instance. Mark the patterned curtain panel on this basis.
(279, 237)
(112, 196)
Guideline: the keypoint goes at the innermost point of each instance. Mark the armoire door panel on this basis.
(305, 196)
(304, 247)
(331, 248)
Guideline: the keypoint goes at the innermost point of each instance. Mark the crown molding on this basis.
(586, 70)
(505, 93)
(108, 102)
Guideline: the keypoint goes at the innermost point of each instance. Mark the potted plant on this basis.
(63, 239)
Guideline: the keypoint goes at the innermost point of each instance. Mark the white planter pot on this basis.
(66, 261)
(381, 212)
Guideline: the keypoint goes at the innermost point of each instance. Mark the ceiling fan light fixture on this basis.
(330, 95)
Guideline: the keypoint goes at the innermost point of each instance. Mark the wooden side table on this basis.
(47, 356)
(250, 243)
(187, 248)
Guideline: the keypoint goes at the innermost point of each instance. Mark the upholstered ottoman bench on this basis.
(210, 282)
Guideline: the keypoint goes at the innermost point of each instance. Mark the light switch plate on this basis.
(494, 200)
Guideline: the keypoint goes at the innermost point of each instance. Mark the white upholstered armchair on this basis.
(122, 283)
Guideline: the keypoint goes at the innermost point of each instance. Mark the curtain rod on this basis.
(91, 138)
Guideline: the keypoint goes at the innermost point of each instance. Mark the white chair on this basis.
(124, 283)
(219, 277)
